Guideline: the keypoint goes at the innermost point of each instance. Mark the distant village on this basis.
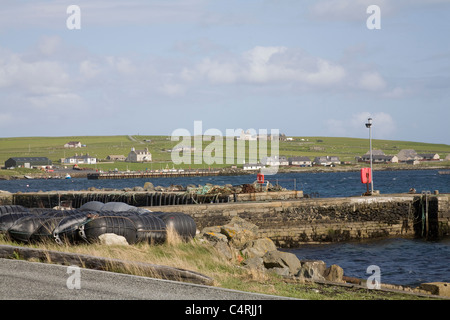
(406, 156)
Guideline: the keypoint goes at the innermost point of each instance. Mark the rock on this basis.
(284, 272)
(111, 239)
(334, 273)
(312, 270)
(224, 249)
(148, 186)
(239, 231)
(280, 259)
(258, 247)
(256, 263)
(215, 237)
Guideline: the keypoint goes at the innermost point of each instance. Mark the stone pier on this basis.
(286, 217)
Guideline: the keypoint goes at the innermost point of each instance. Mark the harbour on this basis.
(329, 213)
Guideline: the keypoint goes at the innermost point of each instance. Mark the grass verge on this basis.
(203, 258)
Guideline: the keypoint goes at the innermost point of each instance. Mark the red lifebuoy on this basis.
(260, 178)
(366, 175)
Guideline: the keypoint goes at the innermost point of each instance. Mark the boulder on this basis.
(213, 234)
(239, 231)
(256, 263)
(224, 249)
(148, 186)
(111, 239)
(258, 247)
(312, 270)
(334, 273)
(279, 259)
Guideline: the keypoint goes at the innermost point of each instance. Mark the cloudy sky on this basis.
(306, 68)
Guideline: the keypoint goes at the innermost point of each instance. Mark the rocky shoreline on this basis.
(237, 241)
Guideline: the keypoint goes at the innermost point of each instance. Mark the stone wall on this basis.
(291, 223)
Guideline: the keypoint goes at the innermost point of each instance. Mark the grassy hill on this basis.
(102, 146)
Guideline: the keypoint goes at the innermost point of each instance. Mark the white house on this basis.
(80, 159)
(253, 166)
(247, 136)
(275, 161)
(139, 155)
(73, 144)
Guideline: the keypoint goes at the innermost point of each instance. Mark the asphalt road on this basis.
(23, 280)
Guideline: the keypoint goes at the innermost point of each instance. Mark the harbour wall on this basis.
(285, 217)
(290, 223)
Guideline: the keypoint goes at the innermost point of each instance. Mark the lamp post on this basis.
(369, 125)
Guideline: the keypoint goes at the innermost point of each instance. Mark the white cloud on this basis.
(384, 125)
(89, 69)
(372, 81)
(267, 65)
(36, 77)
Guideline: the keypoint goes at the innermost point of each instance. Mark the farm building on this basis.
(139, 155)
(326, 160)
(300, 161)
(429, 156)
(27, 162)
(378, 156)
(79, 159)
(116, 157)
(408, 155)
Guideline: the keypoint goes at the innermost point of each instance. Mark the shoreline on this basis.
(231, 172)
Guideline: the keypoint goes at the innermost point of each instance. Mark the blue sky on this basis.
(306, 68)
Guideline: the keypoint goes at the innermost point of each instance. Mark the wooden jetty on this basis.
(152, 174)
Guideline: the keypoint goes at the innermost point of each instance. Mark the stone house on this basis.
(139, 155)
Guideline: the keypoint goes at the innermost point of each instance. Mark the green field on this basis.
(102, 146)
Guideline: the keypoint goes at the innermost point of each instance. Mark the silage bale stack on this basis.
(91, 221)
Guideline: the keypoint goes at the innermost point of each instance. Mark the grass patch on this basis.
(203, 258)
(102, 146)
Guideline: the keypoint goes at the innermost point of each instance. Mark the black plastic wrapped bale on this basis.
(150, 228)
(182, 223)
(98, 225)
(68, 228)
(116, 207)
(92, 206)
(48, 224)
(7, 220)
(24, 227)
(5, 209)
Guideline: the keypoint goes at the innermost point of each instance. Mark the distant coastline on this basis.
(231, 172)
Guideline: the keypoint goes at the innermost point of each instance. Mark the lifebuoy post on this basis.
(366, 177)
(260, 178)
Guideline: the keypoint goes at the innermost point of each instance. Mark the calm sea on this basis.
(401, 261)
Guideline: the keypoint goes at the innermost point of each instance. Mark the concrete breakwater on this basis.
(285, 217)
(290, 223)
